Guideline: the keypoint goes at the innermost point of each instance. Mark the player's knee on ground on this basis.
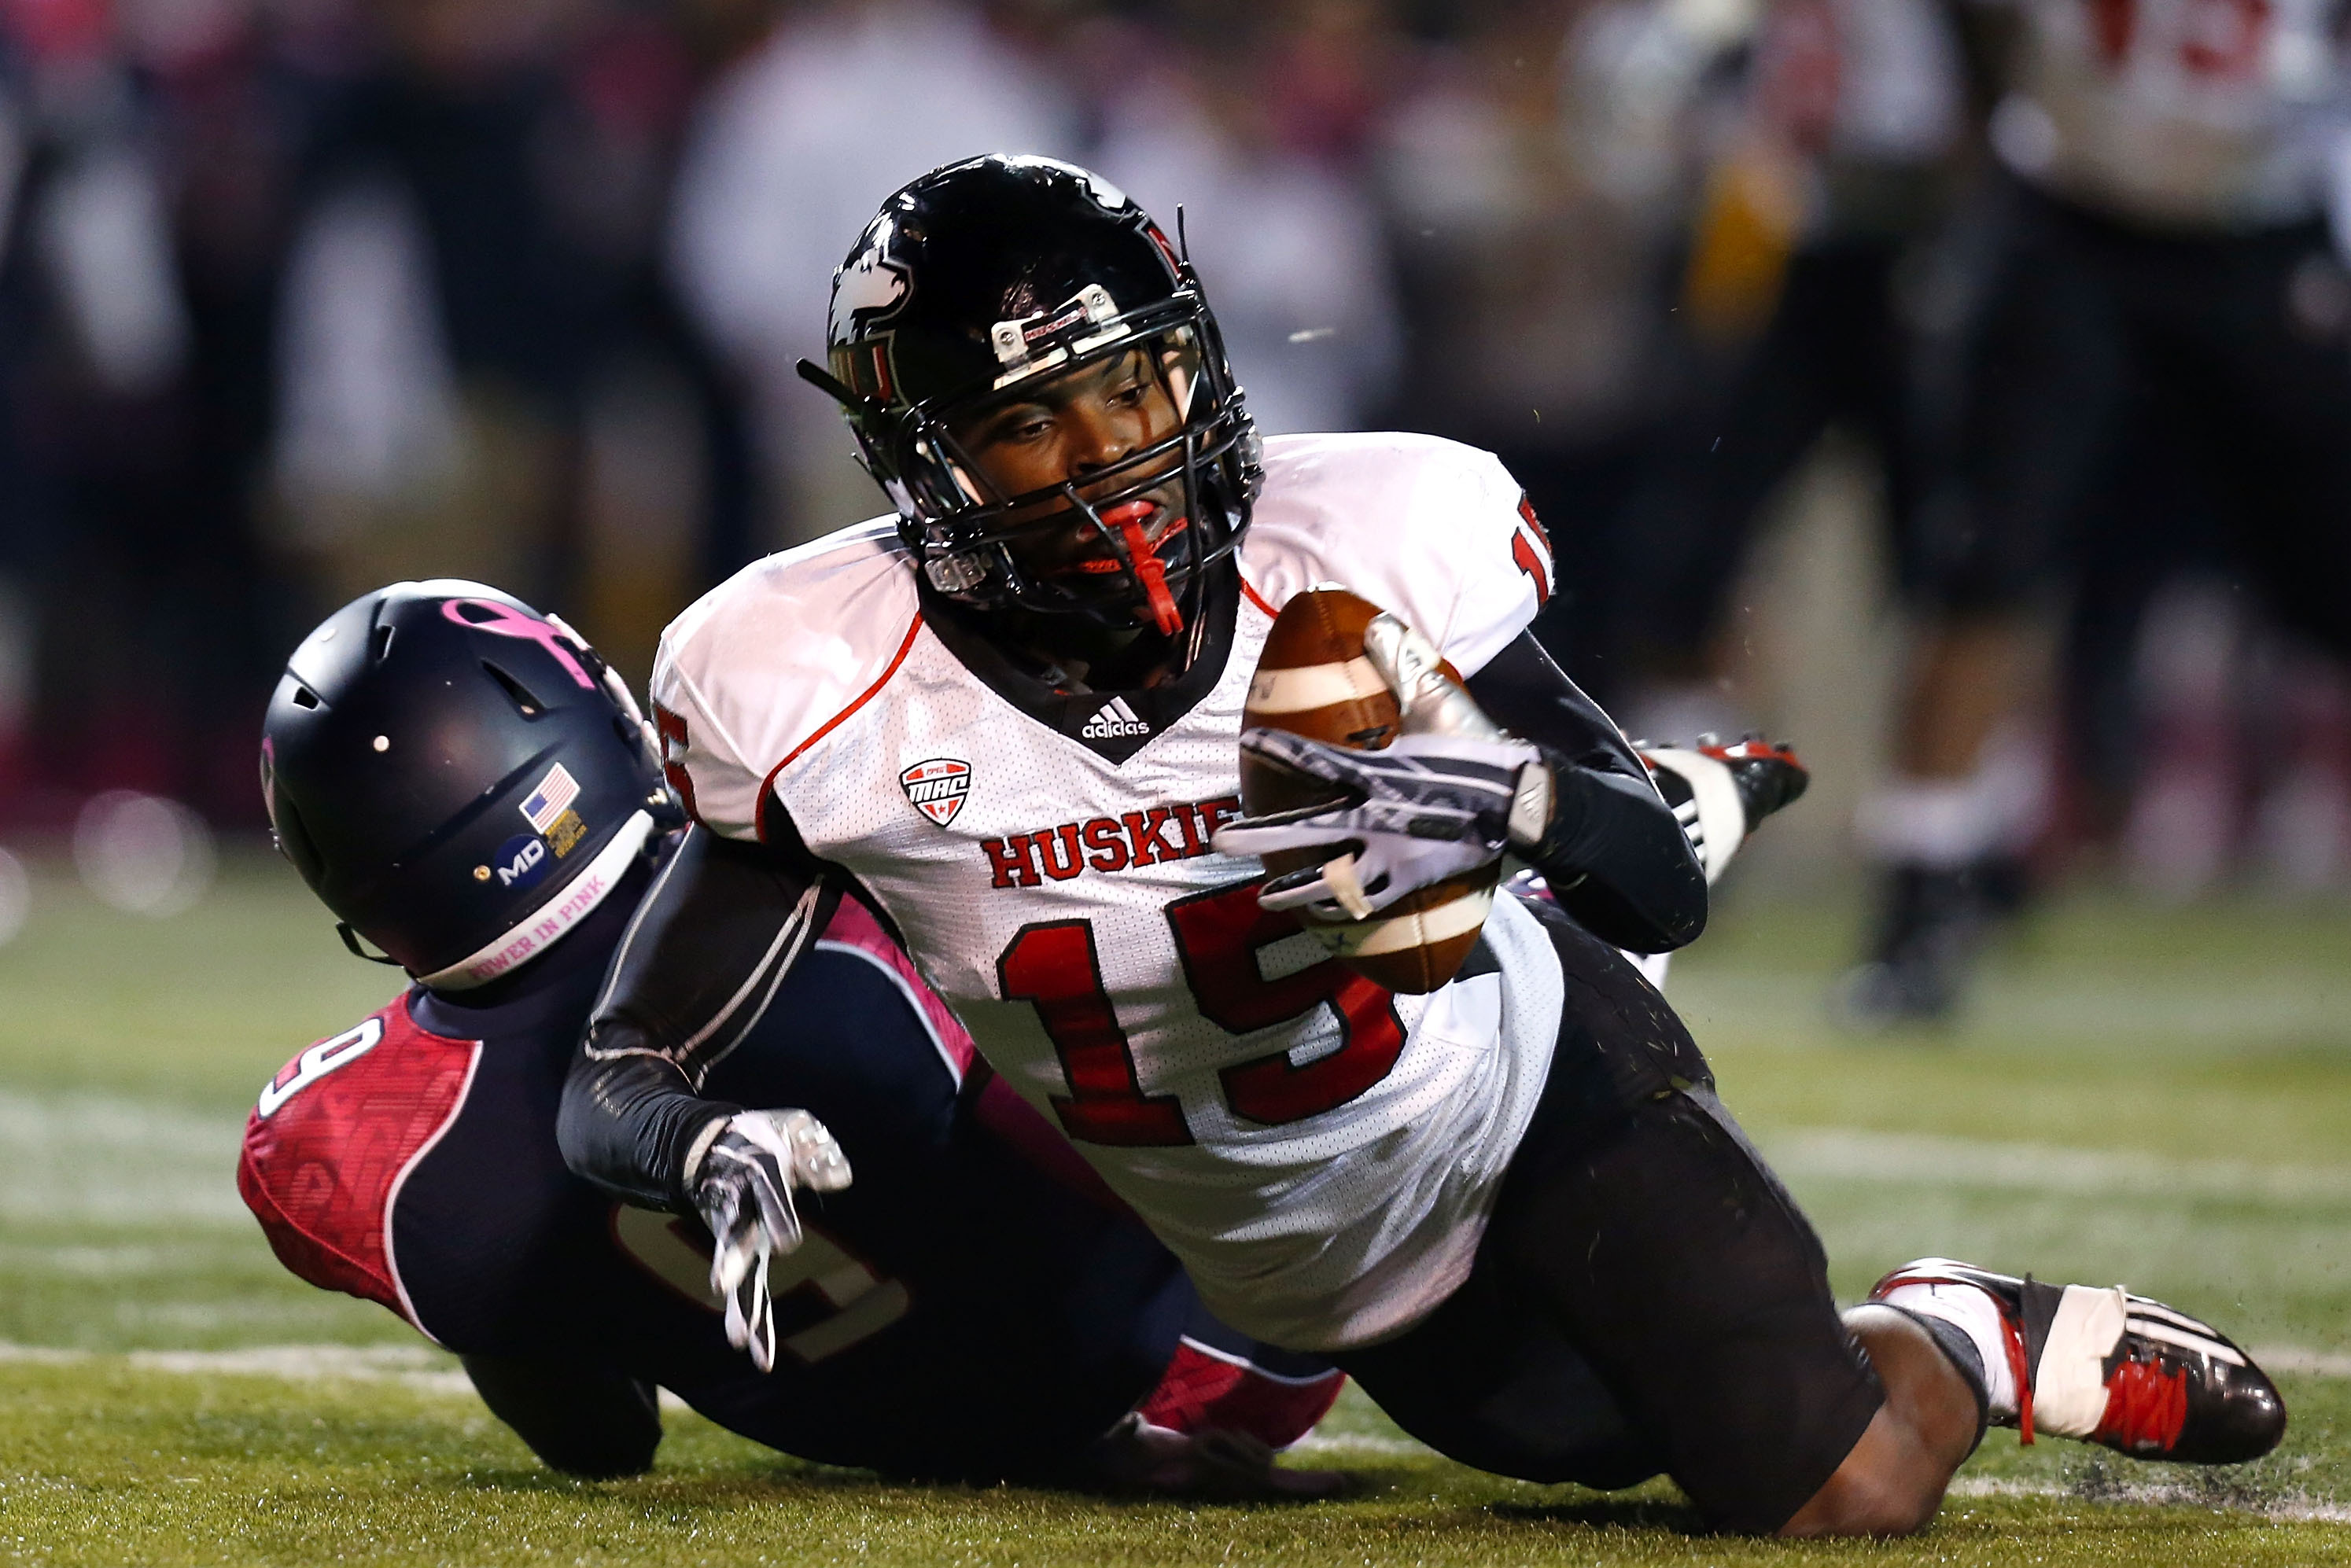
(1640, 1237)
(1892, 1481)
(585, 1421)
(1647, 1229)
(1666, 1248)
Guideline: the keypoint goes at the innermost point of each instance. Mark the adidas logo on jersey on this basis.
(1113, 720)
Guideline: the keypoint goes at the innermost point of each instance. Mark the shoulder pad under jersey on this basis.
(1437, 532)
(765, 664)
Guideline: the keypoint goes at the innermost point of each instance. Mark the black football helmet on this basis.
(459, 778)
(987, 274)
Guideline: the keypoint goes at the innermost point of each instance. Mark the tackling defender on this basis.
(1514, 1207)
(468, 788)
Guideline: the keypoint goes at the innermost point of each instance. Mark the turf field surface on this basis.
(2160, 1098)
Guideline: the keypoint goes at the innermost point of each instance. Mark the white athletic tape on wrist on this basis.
(701, 1146)
(1396, 933)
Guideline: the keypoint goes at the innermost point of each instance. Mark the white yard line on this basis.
(2182, 1014)
(110, 1160)
(2304, 1363)
(1853, 1154)
(1342, 1443)
(2292, 1508)
(412, 1366)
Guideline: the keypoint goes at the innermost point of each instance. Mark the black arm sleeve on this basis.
(700, 963)
(1615, 858)
(586, 1421)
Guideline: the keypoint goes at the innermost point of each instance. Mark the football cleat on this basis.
(1721, 793)
(2112, 1368)
(1768, 773)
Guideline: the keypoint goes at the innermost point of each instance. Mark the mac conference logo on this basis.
(938, 788)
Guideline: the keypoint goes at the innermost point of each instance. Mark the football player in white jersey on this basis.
(2153, 321)
(1008, 719)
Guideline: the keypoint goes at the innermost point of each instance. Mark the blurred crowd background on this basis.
(298, 297)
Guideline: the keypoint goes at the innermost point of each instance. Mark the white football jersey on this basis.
(1320, 1152)
(2192, 112)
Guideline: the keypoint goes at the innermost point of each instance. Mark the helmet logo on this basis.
(1112, 198)
(506, 621)
(938, 788)
(521, 861)
(869, 285)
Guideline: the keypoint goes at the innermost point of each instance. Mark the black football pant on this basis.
(1648, 1297)
(583, 1419)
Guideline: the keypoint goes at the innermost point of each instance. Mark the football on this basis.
(1314, 680)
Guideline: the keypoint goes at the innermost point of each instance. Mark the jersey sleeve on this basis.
(1434, 531)
(766, 664)
(332, 1140)
(700, 758)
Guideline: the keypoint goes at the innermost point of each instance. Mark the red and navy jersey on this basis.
(961, 1309)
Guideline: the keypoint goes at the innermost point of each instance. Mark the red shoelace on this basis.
(2145, 1408)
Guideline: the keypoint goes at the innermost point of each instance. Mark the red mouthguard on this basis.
(1128, 518)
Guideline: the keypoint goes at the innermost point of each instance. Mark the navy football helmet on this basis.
(459, 778)
(989, 273)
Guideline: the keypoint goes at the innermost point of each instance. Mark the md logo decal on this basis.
(521, 861)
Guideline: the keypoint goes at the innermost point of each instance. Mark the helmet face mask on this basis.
(1063, 548)
(997, 277)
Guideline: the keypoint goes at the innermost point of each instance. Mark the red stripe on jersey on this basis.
(854, 925)
(1534, 563)
(1205, 1388)
(767, 785)
(324, 1164)
(1258, 599)
(1527, 512)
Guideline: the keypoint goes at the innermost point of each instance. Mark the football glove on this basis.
(1447, 797)
(1424, 808)
(743, 1186)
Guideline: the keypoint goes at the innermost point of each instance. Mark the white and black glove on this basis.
(1447, 797)
(743, 1183)
(1424, 808)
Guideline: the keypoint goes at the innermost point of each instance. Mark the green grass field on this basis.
(2157, 1098)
